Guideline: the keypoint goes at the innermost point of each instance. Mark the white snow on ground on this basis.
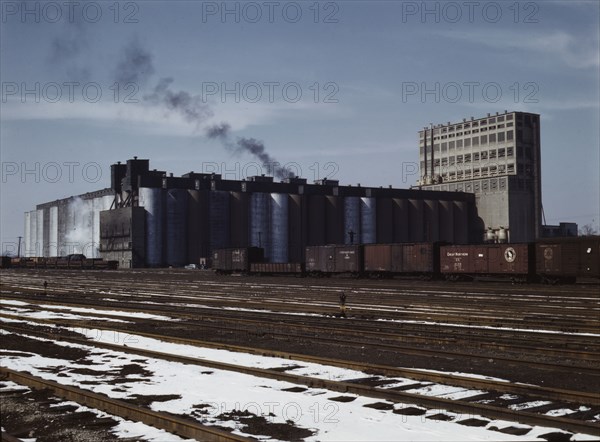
(87, 310)
(525, 330)
(524, 405)
(566, 411)
(12, 386)
(10, 302)
(53, 315)
(127, 428)
(110, 312)
(124, 428)
(222, 391)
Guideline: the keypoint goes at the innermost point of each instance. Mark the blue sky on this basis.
(356, 64)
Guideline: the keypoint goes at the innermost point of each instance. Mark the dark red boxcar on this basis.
(378, 258)
(420, 258)
(589, 257)
(334, 259)
(236, 259)
(320, 259)
(557, 259)
(348, 259)
(488, 259)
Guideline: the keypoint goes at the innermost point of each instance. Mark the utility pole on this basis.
(19, 248)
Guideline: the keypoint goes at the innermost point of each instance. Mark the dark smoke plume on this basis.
(136, 65)
(189, 106)
(218, 131)
(67, 48)
(250, 145)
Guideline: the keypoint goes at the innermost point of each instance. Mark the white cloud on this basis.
(575, 52)
(160, 121)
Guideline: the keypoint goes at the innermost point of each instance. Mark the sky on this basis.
(334, 89)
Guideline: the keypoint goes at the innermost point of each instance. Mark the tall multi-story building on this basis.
(498, 159)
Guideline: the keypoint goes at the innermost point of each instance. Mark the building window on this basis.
(467, 142)
(459, 159)
(501, 153)
(476, 156)
(484, 139)
(444, 147)
(451, 161)
(475, 141)
(509, 135)
(511, 168)
(484, 155)
(509, 152)
(501, 137)
(451, 144)
(509, 117)
(492, 153)
(444, 161)
(492, 138)
(501, 118)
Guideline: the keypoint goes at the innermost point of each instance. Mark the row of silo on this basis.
(64, 227)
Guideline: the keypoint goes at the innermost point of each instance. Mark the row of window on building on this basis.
(486, 185)
(448, 173)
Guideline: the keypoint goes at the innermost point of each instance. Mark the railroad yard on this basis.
(167, 355)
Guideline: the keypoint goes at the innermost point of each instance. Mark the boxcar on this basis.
(589, 257)
(397, 259)
(565, 259)
(330, 259)
(236, 259)
(557, 261)
(514, 260)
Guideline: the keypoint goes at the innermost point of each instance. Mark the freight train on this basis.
(551, 261)
(74, 261)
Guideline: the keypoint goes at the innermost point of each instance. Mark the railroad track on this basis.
(581, 318)
(394, 339)
(391, 313)
(172, 424)
(380, 392)
(306, 290)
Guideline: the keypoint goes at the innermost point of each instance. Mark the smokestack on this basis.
(425, 137)
(432, 155)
